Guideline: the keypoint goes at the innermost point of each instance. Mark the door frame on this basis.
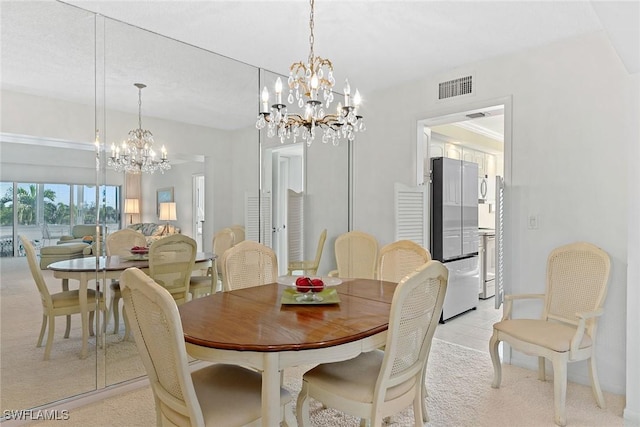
(447, 115)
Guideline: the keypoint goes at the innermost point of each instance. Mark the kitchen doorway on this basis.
(480, 133)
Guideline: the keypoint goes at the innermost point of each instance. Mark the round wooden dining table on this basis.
(256, 327)
(103, 268)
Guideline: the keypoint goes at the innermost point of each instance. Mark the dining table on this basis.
(104, 268)
(266, 328)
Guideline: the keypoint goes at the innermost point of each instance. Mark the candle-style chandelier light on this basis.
(136, 154)
(306, 82)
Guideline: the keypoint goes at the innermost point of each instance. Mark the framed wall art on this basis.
(163, 195)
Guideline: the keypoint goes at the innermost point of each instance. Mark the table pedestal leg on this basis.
(84, 279)
(271, 390)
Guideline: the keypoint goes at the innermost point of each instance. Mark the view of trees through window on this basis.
(47, 211)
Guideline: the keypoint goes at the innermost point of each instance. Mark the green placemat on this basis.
(326, 296)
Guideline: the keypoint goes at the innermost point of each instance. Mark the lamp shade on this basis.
(167, 211)
(131, 206)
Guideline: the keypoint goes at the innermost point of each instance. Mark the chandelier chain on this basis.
(139, 108)
(311, 38)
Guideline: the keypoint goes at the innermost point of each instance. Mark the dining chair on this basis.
(309, 267)
(217, 395)
(248, 264)
(396, 260)
(400, 258)
(238, 232)
(356, 255)
(377, 384)
(171, 261)
(576, 285)
(208, 283)
(62, 303)
(119, 243)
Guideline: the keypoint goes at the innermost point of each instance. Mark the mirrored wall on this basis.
(66, 73)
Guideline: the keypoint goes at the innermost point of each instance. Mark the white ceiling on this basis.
(376, 44)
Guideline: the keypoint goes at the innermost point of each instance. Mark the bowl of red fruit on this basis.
(139, 250)
(308, 287)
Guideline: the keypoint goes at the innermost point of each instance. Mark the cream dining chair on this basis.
(119, 244)
(62, 303)
(396, 260)
(217, 395)
(379, 383)
(248, 264)
(309, 267)
(208, 284)
(576, 286)
(356, 255)
(400, 258)
(238, 232)
(171, 261)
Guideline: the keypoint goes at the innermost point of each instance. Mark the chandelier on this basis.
(306, 82)
(136, 154)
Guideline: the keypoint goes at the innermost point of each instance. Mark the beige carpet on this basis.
(460, 394)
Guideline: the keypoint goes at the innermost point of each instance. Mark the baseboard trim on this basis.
(631, 418)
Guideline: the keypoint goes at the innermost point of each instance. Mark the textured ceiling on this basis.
(47, 46)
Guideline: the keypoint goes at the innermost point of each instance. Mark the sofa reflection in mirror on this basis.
(153, 231)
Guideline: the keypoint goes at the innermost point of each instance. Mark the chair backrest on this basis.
(171, 261)
(321, 240)
(415, 312)
(157, 330)
(400, 258)
(32, 260)
(120, 242)
(577, 280)
(248, 264)
(238, 231)
(223, 240)
(356, 255)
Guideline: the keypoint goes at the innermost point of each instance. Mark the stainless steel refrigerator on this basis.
(454, 231)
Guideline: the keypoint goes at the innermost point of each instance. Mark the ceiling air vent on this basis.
(456, 87)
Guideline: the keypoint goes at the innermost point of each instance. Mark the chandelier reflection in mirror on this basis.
(308, 81)
(136, 154)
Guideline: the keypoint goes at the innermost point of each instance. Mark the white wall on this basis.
(569, 136)
(632, 410)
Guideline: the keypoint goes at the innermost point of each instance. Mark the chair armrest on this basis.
(333, 273)
(508, 302)
(66, 238)
(582, 324)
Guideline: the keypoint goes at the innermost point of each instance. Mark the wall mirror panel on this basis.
(305, 190)
(48, 164)
(200, 106)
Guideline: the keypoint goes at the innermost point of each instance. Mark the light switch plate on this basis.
(532, 222)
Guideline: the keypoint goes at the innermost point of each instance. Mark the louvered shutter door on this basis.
(295, 225)
(499, 241)
(254, 230)
(411, 214)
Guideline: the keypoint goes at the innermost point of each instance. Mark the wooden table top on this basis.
(111, 263)
(253, 319)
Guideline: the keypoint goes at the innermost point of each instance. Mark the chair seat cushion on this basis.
(354, 378)
(552, 335)
(71, 298)
(230, 395)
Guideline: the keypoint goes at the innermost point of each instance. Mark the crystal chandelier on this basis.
(307, 81)
(136, 154)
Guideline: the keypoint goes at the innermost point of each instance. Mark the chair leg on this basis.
(418, 405)
(595, 383)
(542, 376)
(68, 327)
(495, 359)
(560, 389)
(127, 329)
(114, 307)
(52, 328)
(302, 406)
(42, 329)
(91, 320)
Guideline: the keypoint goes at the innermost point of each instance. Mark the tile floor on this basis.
(471, 329)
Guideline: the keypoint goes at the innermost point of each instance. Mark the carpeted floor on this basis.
(460, 394)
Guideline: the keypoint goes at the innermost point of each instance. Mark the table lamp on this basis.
(131, 206)
(167, 213)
